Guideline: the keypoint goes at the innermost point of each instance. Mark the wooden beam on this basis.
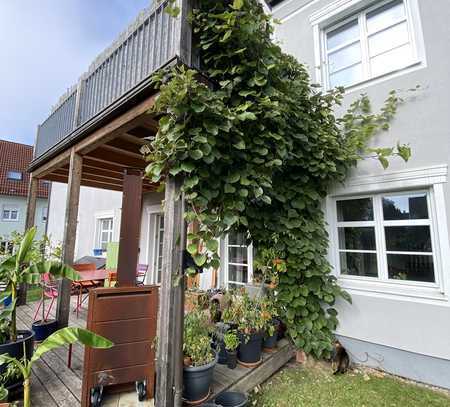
(54, 163)
(122, 151)
(130, 228)
(70, 232)
(133, 139)
(169, 361)
(102, 154)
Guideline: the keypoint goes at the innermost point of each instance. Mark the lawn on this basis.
(316, 386)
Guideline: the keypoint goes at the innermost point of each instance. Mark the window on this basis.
(239, 260)
(369, 44)
(14, 175)
(44, 214)
(158, 238)
(386, 237)
(105, 233)
(10, 214)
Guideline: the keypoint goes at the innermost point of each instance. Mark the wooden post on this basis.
(169, 360)
(70, 232)
(29, 223)
(130, 228)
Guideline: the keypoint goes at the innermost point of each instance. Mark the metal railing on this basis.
(152, 40)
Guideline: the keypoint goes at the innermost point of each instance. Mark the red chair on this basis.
(50, 291)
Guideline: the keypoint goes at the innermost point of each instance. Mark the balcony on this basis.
(118, 76)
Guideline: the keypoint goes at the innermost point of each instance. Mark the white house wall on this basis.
(378, 321)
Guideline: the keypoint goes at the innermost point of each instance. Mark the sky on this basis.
(45, 46)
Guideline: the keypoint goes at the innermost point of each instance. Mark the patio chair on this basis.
(50, 291)
(141, 274)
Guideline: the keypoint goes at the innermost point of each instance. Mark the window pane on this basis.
(347, 56)
(14, 215)
(347, 76)
(391, 60)
(237, 255)
(359, 264)
(357, 238)
(238, 273)
(355, 210)
(408, 238)
(410, 267)
(342, 35)
(385, 16)
(5, 214)
(405, 207)
(14, 175)
(237, 239)
(391, 38)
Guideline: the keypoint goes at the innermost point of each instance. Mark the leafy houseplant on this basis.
(25, 266)
(62, 337)
(199, 357)
(231, 344)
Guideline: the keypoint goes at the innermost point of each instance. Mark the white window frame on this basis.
(153, 211)
(340, 12)
(226, 263)
(10, 208)
(99, 217)
(431, 180)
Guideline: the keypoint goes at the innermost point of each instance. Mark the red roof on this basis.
(17, 157)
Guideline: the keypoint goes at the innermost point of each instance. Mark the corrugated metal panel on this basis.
(147, 44)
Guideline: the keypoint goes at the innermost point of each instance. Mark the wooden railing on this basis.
(153, 40)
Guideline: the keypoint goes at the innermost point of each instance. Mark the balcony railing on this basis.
(152, 41)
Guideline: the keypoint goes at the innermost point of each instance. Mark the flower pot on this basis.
(231, 359)
(250, 348)
(222, 352)
(197, 382)
(15, 350)
(231, 399)
(42, 330)
(270, 342)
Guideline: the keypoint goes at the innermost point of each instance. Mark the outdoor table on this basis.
(87, 280)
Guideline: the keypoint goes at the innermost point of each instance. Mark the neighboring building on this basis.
(389, 242)
(388, 228)
(14, 182)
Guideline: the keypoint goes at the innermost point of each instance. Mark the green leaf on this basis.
(237, 4)
(25, 246)
(187, 166)
(240, 145)
(384, 162)
(211, 128)
(246, 116)
(192, 248)
(196, 154)
(212, 245)
(199, 259)
(71, 335)
(404, 151)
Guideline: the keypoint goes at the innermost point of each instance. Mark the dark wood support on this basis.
(169, 361)
(70, 232)
(130, 228)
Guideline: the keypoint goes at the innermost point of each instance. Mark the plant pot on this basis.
(222, 352)
(197, 382)
(270, 342)
(231, 399)
(250, 348)
(231, 359)
(15, 350)
(42, 330)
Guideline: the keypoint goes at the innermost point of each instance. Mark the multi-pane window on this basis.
(386, 236)
(14, 175)
(374, 42)
(10, 213)
(239, 260)
(105, 233)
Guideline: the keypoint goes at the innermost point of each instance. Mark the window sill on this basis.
(412, 291)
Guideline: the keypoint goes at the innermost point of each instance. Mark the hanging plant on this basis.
(257, 150)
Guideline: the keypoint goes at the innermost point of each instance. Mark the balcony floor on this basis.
(55, 385)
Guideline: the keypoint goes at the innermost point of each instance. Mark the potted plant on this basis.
(24, 266)
(199, 357)
(269, 314)
(231, 341)
(60, 338)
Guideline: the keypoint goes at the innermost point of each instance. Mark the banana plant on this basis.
(60, 338)
(16, 269)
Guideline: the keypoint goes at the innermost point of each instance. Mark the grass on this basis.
(316, 386)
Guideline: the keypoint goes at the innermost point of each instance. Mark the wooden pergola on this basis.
(109, 158)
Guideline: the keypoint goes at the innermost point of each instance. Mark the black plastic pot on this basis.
(42, 330)
(15, 350)
(197, 381)
(270, 342)
(250, 347)
(222, 352)
(231, 399)
(231, 359)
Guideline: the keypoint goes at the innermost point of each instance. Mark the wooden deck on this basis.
(55, 385)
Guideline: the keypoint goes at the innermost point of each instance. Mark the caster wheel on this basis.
(96, 396)
(141, 389)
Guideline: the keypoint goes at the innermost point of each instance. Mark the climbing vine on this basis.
(257, 147)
